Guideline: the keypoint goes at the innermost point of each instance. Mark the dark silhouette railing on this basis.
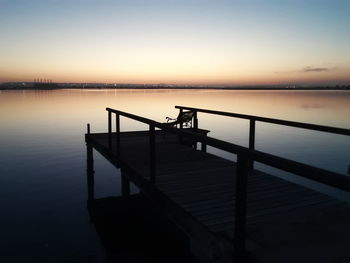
(253, 119)
(245, 156)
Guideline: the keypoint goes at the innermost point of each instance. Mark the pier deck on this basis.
(195, 190)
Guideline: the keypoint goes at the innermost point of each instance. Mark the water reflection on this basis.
(33, 119)
(42, 151)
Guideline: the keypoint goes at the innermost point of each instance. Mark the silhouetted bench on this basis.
(185, 120)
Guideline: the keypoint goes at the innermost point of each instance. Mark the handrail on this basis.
(245, 157)
(317, 174)
(303, 125)
(132, 116)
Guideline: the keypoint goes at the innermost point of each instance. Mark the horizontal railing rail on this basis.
(302, 125)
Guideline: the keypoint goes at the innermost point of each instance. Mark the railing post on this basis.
(181, 112)
(117, 127)
(109, 129)
(88, 128)
(152, 144)
(241, 205)
(251, 140)
(195, 121)
(195, 128)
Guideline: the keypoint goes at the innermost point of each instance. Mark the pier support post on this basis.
(241, 206)
(90, 175)
(117, 132)
(110, 129)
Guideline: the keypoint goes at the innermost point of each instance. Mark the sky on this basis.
(207, 42)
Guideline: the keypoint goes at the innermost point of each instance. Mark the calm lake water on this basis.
(43, 156)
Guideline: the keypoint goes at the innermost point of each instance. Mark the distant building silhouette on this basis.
(40, 83)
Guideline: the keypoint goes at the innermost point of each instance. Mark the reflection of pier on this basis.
(224, 210)
(131, 231)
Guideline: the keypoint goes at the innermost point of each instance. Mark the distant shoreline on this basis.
(241, 89)
(55, 86)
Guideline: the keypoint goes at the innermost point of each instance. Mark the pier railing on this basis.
(245, 156)
(253, 119)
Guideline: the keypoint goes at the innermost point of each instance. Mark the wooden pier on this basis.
(228, 211)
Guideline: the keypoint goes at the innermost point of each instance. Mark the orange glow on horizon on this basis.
(177, 78)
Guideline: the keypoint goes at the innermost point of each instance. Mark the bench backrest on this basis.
(185, 116)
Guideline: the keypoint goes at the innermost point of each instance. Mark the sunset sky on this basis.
(176, 41)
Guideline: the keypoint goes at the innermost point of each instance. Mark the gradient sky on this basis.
(176, 41)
